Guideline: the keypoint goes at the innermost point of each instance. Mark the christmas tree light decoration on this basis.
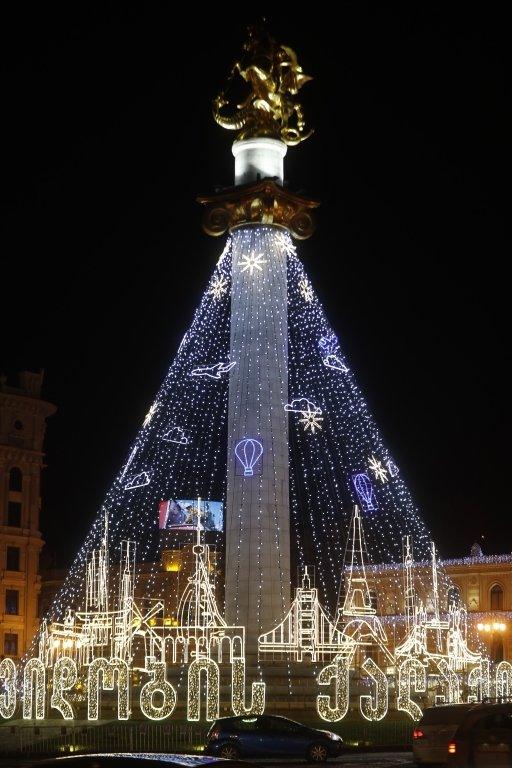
(364, 490)
(338, 672)
(211, 672)
(138, 481)
(257, 705)
(412, 677)
(65, 676)
(306, 290)
(8, 694)
(110, 671)
(175, 435)
(329, 350)
(311, 420)
(378, 470)
(129, 461)
(251, 262)
(34, 690)
(212, 371)
(503, 680)
(248, 452)
(225, 251)
(392, 468)
(149, 415)
(157, 686)
(374, 707)
(306, 632)
(218, 287)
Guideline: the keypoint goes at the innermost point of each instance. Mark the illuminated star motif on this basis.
(378, 470)
(286, 243)
(311, 420)
(218, 286)
(305, 290)
(251, 262)
(150, 414)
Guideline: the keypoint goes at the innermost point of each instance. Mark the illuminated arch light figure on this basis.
(412, 678)
(503, 680)
(65, 675)
(479, 681)
(374, 707)
(34, 676)
(211, 670)
(248, 452)
(138, 481)
(8, 694)
(159, 686)
(364, 490)
(452, 682)
(109, 670)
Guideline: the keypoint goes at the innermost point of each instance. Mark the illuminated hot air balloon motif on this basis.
(248, 452)
(364, 490)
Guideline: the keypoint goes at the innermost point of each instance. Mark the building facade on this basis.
(23, 417)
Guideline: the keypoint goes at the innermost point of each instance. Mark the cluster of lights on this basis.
(211, 670)
(8, 694)
(495, 626)
(159, 686)
(109, 671)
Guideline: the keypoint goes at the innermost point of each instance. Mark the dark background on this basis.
(108, 137)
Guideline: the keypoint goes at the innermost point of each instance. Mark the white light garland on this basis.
(108, 670)
(338, 672)
(210, 669)
(504, 680)
(34, 677)
(412, 678)
(257, 705)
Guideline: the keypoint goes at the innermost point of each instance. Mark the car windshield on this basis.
(445, 715)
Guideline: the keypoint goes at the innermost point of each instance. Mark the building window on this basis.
(18, 425)
(497, 649)
(497, 598)
(13, 559)
(11, 644)
(12, 601)
(14, 514)
(15, 479)
(454, 596)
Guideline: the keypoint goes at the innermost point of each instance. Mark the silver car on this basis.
(435, 731)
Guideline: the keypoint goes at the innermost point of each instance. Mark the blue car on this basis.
(270, 735)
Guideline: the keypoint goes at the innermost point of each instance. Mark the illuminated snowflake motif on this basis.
(377, 469)
(225, 251)
(251, 262)
(305, 290)
(150, 414)
(284, 240)
(311, 420)
(218, 287)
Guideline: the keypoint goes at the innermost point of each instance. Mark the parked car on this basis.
(136, 760)
(484, 737)
(270, 735)
(435, 731)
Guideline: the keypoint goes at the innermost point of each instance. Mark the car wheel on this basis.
(317, 753)
(229, 752)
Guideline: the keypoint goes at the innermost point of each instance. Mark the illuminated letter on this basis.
(157, 685)
(337, 671)
(409, 671)
(64, 678)
(257, 706)
(503, 680)
(107, 669)
(34, 667)
(194, 689)
(8, 696)
(375, 708)
(452, 680)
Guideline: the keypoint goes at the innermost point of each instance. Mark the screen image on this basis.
(181, 515)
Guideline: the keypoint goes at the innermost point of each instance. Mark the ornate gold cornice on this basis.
(262, 203)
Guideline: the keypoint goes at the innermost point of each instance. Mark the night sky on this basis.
(107, 139)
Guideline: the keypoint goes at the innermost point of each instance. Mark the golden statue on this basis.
(274, 78)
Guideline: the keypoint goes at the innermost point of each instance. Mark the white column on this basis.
(257, 159)
(257, 514)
